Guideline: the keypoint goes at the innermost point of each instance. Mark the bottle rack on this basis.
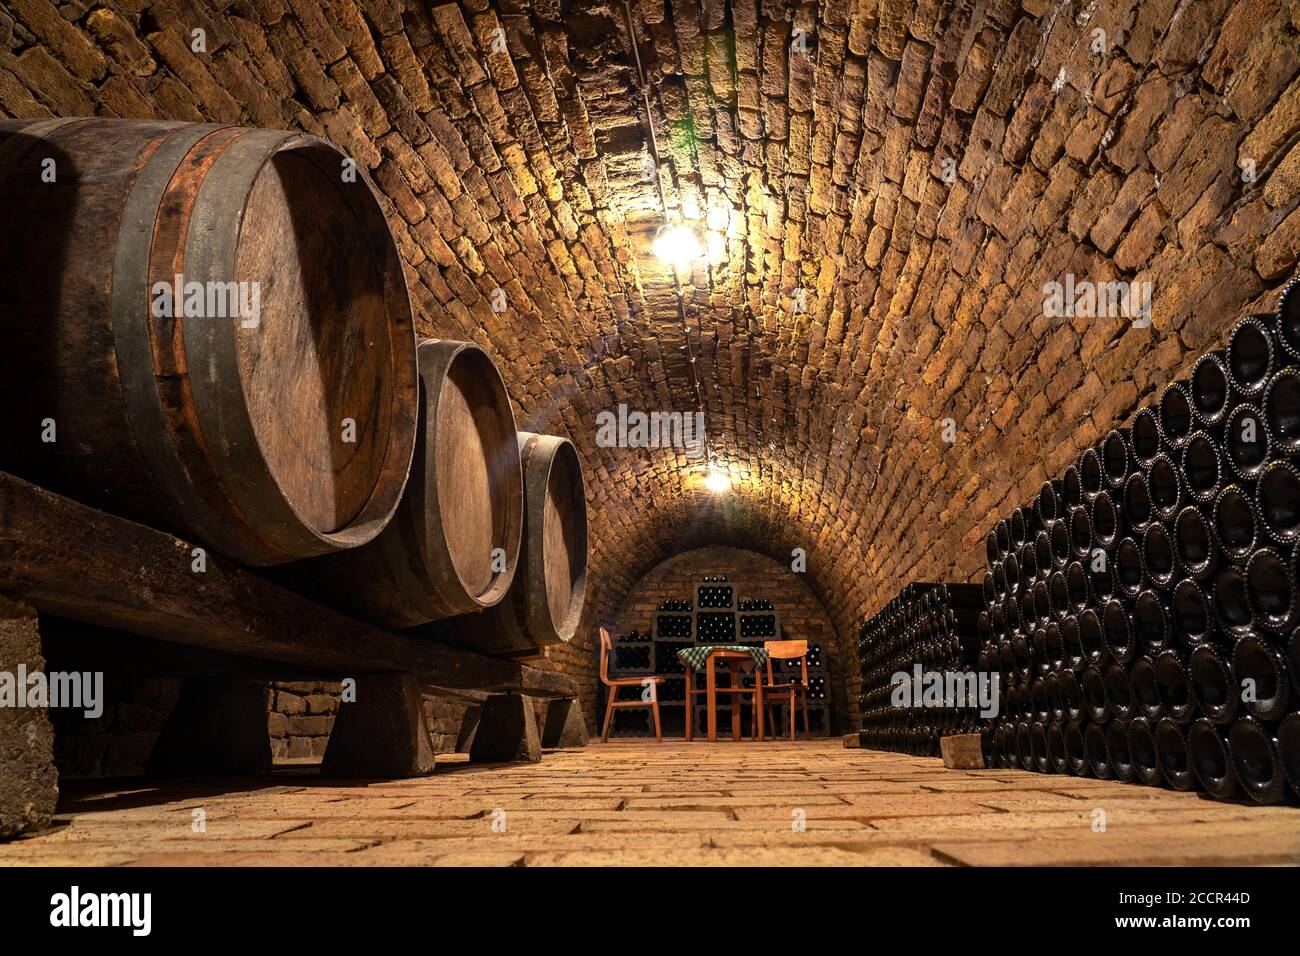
(712, 595)
(715, 627)
(715, 615)
(668, 626)
(632, 722)
(633, 659)
(757, 625)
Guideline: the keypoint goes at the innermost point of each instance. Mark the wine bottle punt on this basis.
(1254, 751)
(1207, 750)
(1142, 750)
(1171, 752)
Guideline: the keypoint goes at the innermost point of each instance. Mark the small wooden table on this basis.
(733, 660)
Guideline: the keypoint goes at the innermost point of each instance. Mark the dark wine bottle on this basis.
(1254, 751)
(1118, 756)
(1194, 544)
(1288, 747)
(1116, 458)
(1076, 751)
(1142, 750)
(1210, 392)
(1175, 408)
(1250, 356)
(1277, 501)
(1146, 691)
(1247, 442)
(1192, 615)
(1202, 467)
(1171, 752)
(1174, 687)
(1145, 440)
(1136, 504)
(1212, 684)
(1281, 407)
(1259, 674)
(1271, 590)
(1207, 749)
(1094, 742)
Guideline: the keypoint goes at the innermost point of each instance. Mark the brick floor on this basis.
(676, 803)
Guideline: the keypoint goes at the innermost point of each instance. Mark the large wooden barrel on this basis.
(545, 601)
(453, 546)
(267, 411)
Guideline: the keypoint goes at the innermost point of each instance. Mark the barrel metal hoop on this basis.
(543, 455)
(434, 361)
(211, 351)
(134, 351)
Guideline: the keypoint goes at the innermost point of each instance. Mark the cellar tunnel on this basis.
(852, 236)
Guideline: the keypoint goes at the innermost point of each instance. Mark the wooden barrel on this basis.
(453, 546)
(268, 409)
(545, 601)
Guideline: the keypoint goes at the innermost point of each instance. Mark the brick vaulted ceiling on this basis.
(911, 172)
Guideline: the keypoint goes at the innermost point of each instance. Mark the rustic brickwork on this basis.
(755, 576)
(642, 803)
(302, 716)
(887, 187)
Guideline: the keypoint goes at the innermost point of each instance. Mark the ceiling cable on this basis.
(679, 286)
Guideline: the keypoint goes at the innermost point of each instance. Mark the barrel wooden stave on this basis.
(465, 500)
(546, 600)
(199, 425)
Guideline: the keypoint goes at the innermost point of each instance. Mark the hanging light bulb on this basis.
(678, 245)
(717, 481)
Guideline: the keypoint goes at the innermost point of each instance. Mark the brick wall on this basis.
(755, 576)
(887, 186)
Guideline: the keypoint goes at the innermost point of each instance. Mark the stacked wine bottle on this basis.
(1143, 610)
(936, 626)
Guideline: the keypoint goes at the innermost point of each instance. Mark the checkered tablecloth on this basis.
(694, 657)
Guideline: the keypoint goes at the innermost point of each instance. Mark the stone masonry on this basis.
(885, 187)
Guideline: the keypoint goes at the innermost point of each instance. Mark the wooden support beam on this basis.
(506, 732)
(564, 725)
(68, 559)
(381, 734)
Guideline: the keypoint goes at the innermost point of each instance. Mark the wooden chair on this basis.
(774, 692)
(614, 683)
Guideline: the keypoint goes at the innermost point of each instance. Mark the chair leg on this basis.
(690, 705)
(806, 732)
(611, 693)
(792, 718)
(654, 709)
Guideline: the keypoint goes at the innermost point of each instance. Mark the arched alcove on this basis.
(755, 575)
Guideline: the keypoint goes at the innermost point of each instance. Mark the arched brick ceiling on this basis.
(824, 171)
(527, 168)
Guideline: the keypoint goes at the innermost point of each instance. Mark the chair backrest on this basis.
(606, 645)
(787, 651)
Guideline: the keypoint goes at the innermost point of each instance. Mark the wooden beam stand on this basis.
(71, 560)
(564, 725)
(506, 732)
(381, 734)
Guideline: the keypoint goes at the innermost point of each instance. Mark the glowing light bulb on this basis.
(717, 481)
(679, 246)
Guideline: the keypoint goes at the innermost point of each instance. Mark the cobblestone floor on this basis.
(676, 803)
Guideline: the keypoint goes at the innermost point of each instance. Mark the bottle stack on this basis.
(1142, 610)
(930, 626)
